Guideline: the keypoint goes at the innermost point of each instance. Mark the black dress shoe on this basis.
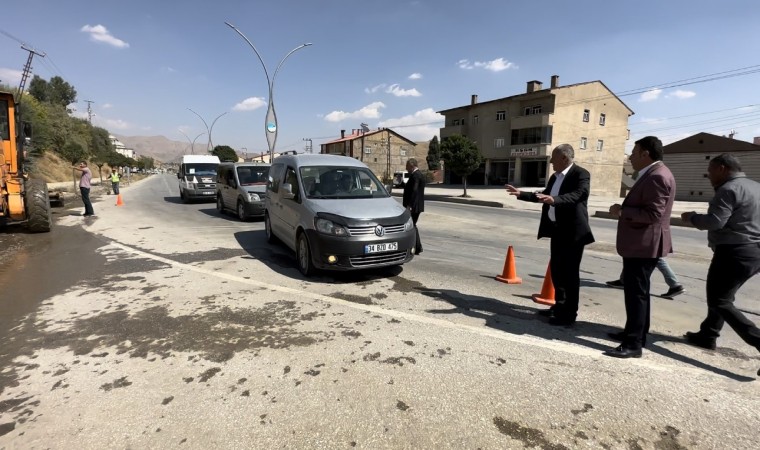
(545, 312)
(672, 292)
(622, 352)
(561, 321)
(700, 340)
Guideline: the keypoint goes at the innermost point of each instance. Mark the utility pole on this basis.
(309, 145)
(27, 68)
(89, 109)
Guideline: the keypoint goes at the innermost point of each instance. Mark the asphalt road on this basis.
(158, 324)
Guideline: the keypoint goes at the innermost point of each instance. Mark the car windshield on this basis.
(336, 182)
(204, 169)
(250, 176)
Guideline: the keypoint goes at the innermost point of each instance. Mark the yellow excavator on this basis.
(22, 200)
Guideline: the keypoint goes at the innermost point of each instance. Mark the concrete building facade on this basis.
(516, 134)
(689, 157)
(384, 151)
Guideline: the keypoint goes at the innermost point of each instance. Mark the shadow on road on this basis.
(497, 315)
(282, 260)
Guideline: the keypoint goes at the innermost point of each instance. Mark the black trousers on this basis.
(565, 266)
(731, 267)
(636, 283)
(115, 187)
(418, 246)
(86, 200)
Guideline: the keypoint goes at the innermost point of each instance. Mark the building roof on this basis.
(357, 134)
(542, 91)
(709, 143)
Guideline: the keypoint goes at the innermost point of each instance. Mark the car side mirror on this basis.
(287, 191)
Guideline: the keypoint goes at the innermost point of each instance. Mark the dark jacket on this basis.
(570, 208)
(414, 192)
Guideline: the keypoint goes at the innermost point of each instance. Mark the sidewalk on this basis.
(496, 196)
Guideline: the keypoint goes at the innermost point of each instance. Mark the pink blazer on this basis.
(644, 225)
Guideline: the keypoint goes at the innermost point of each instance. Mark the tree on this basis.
(56, 91)
(434, 154)
(145, 163)
(225, 153)
(461, 156)
(38, 88)
(101, 147)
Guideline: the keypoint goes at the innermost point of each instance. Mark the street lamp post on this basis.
(210, 145)
(270, 122)
(192, 142)
(245, 152)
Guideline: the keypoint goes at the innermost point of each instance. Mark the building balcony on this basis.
(532, 121)
(451, 130)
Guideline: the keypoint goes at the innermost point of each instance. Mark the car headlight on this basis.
(409, 224)
(328, 227)
(253, 197)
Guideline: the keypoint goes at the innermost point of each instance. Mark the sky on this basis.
(390, 63)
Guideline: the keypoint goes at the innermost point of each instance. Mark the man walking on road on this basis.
(84, 187)
(643, 236)
(564, 219)
(414, 197)
(733, 232)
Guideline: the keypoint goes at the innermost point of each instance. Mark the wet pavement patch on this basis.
(118, 383)
(530, 437)
(669, 439)
(586, 408)
(207, 375)
(6, 428)
(401, 405)
(363, 300)
(167, 400)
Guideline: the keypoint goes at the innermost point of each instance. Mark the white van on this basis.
(197, 177)
(334, 212)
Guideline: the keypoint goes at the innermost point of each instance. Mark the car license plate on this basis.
(377, 248)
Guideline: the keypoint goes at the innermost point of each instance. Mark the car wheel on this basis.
(241, 210)
(303, 254)
(271, 238)
(220, 204)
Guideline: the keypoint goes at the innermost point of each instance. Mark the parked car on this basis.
(400, 179)
(334, 212)
(241, 187)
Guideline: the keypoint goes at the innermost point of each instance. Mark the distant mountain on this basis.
(159, 147)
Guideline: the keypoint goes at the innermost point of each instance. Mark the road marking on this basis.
(485, 332)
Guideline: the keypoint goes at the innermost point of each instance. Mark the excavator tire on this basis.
(39, 218)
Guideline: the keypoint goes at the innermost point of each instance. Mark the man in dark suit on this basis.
(564, 219)
(414, 197)
(643, 236)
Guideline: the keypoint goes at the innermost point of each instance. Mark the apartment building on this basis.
(689, 157)
(384, 151)
(517, 134)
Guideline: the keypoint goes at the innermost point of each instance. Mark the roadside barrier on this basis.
(546, 297)
(509, 274)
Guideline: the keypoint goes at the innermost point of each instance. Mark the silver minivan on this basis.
(334, 212)
(241, 187)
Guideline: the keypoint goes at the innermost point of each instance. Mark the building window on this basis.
(501, 115)
(584, 143)
(498, 142)
(455, 122)
(402, 150)
(537, 135)
(474, 120)
(602, 119)
(367, 150)
(532, 110)
(599, 145)
(586, 115)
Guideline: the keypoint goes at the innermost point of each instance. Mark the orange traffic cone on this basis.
(509, 274)
(546, 297)
(119, 201)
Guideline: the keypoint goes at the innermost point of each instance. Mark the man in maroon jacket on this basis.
(643, 236)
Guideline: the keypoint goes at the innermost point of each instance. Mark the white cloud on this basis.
(415, 76)
(679, 94)
(371, 111)
(10, 76)
(396, 90)
(250, 104)
(649, 96)
(107, 106)
(99, 33)
(108, 124)
(374, 89)
(420, 126)
(496, 65)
